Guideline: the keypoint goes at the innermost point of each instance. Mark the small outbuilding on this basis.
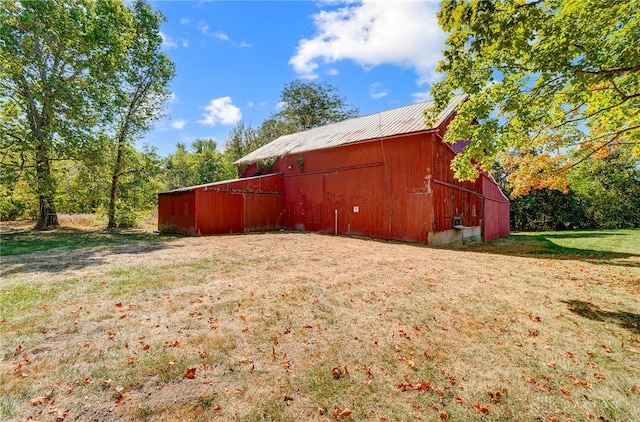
(385, 175)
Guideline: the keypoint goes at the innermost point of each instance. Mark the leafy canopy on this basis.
(551, 83)
(57, 62)
(309, 105)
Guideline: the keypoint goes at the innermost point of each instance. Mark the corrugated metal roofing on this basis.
(396, 121)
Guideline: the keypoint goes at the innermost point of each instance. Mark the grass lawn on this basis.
(106, 326)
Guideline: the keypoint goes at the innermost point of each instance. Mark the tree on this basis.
(610, 188)
(203, 164)
(551, 82)
(207, 161)
(309, 105)
(242, 140)
(305, 106)
(57, 59)
(138, 193)
(141, 89)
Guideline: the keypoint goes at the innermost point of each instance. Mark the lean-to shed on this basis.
(384, 175)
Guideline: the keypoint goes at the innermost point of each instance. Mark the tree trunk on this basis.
(113, 197)
(47, 216)
(115, 179)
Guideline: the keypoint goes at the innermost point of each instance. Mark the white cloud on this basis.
(333, 72)
(167, 42)
(419, 97)
(377, 90)
(185, 43)
(178, 124)
(204, 28)
(221, 111)
(372, 33)
(184, 21)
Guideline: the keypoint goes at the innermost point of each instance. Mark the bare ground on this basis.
(295, 326)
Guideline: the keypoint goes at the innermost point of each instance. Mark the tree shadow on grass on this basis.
(30, 251)
(626, 320)
(542, 245)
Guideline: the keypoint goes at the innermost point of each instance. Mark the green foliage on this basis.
(243, 138)
(138, 189)
(58, 60)
(611, 188)
(200, 165)
(141, 89)
(549, 209)
(309, 105)
(554, 82)
(17, 201)
(602, 193)
(79, 84)
(82, 188)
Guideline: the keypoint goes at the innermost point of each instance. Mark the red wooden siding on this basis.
(235, 206)
(397, 188)
(177, 212)
(496, 210)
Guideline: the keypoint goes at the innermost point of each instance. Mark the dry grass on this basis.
(292, 326)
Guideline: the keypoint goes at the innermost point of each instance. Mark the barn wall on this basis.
(262, 212)
(350, 180)
(396, 188)
(177, 212)
(240, 205)
(496, 210)
(219, 212)
(234, 206)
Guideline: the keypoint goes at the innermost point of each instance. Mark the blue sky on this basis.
(233, 59)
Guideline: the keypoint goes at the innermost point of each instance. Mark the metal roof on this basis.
(397, 121)
(218, 183)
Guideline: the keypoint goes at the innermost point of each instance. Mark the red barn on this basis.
(384, 175)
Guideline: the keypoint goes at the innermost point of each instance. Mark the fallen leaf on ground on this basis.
(62, 414)
(341, 413)
(480, 409)
(39, 400)
(190, 373)
(336, 372)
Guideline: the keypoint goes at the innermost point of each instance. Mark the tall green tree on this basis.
(58, 59)
(141, 90)
(312, 104)
(138, 193)
(554, 82)
(242, 140)
(610, 188)
(199, 164)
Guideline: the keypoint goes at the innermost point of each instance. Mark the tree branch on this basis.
(619, 71)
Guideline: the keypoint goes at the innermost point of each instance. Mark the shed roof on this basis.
(397, 121)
